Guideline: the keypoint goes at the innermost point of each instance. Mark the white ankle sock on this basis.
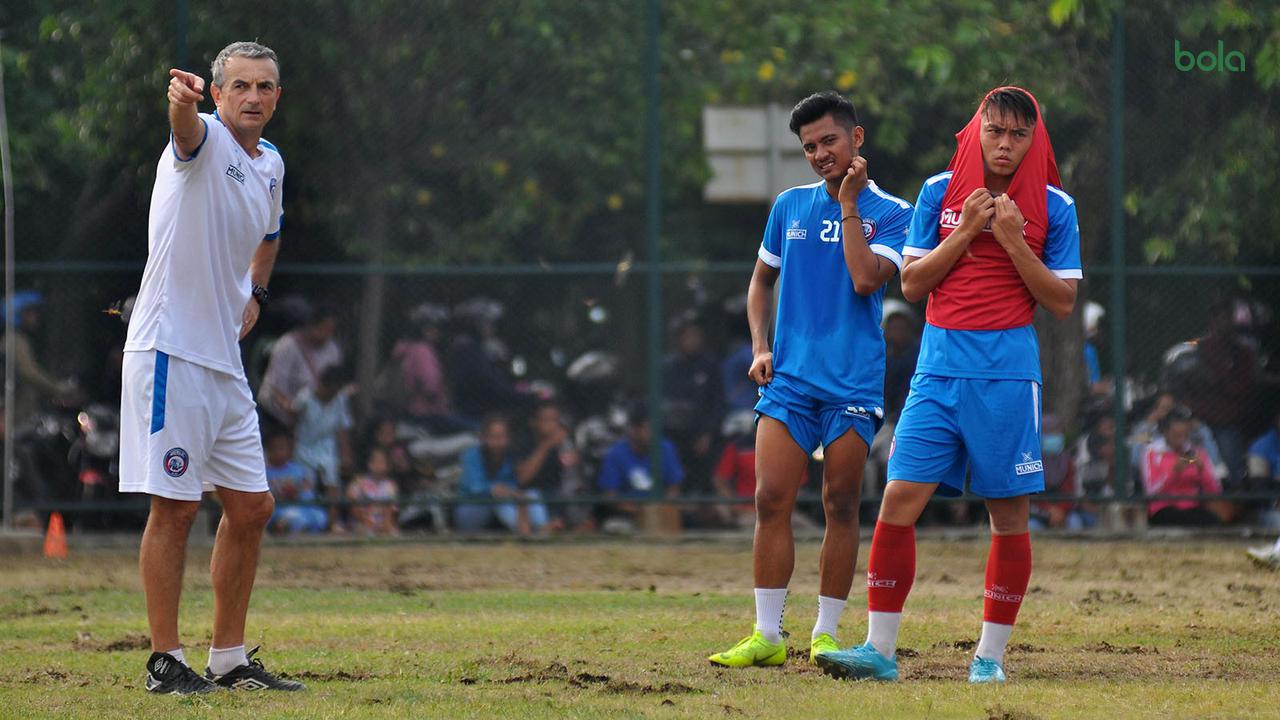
(224, 660)
(829, 610)
(770, 604)
(882, 632)
(177, 655)
(995, 637)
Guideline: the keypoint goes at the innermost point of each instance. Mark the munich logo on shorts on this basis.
(175, 462)
(1028, 466)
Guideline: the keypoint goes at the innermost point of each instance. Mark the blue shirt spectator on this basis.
(625, 471)
(1264, 454)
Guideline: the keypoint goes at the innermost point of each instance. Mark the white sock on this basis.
(223, 661)
(770, 604)
(994, 639)
(177, 655)
(882, 632)
(829, 610)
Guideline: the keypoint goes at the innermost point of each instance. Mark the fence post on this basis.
(653, 214)
(1118, 275)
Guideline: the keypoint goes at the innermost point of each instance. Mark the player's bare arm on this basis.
(867, 270)
(186, 90)
(264, 260)
(759, 305)
(920, 275)
(1053, 293)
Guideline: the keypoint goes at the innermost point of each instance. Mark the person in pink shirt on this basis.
(1173, 465)
(422, 373)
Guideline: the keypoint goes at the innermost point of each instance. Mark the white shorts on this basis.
(185, 428)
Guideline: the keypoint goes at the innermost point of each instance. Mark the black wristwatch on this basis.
(261, 294)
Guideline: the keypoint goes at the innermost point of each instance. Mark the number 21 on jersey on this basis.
(830, 231)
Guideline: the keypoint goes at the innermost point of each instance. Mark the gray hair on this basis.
(240, 49)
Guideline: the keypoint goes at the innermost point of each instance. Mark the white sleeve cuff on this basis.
(915, 251)
(769, 258)
(1072, 274)
(889, 253)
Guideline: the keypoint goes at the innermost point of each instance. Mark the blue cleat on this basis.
(982, 670)
(858, 663)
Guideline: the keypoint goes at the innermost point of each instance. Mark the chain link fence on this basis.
(484, 187)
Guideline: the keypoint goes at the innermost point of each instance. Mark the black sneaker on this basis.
(252, 677)
(167, 676)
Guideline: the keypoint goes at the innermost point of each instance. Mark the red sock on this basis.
(891, 567)
(1008, 572)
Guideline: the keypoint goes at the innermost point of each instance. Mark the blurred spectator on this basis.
(902, 349)
(323, 433)
(1174, 465)
(1059, 479)
(413, 384)
(740, 391)
(1225, 387)
(735, 475)
(488, 471)
(33, 385)
(1264, 467)
(1096, 461)
(1093, 314)
(297, 361)
(293, 486)
(477, 377)
(1146, 430)
(382, 436)
(626, 474)
(551, 465)
(693, 400)
(375, 494)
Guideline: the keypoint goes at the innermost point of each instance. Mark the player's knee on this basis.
(176, 514)
(251, 513)
(840, 505)
(772, 504)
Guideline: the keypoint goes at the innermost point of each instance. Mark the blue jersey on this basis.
(827, 338)
(1008, 354)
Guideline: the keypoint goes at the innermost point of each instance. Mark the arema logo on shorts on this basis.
(175, 462)
(1028, 466)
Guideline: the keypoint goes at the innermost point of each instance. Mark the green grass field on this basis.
(621, 629)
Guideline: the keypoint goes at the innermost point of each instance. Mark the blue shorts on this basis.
(814, 422)
(990, 428)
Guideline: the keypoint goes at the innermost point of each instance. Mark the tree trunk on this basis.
(368, 352)
(1062, 363)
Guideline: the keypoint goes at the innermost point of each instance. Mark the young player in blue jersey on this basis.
(822, 383)
(993, 237)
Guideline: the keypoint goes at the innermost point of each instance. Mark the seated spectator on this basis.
(1174, 465)
(735, 475)
(322, 431)
(1264, 467)
(294, 487)
(488, 471)
(382, 435)
(412, 386)
(297, 360)
(550, 464)
(626, 474)
(1148, 429)
(1060, 478)
(376, 494)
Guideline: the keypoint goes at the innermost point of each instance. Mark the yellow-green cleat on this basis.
(821, 644)
(752, 650)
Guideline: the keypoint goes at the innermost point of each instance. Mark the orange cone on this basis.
(55, 540)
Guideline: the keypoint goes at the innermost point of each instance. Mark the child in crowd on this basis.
(378, 517)
(293, 486)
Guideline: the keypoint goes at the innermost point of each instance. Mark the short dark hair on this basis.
(1179, 413)
(334, 376)
(1011, 101)
(828, 102)
(494, 418)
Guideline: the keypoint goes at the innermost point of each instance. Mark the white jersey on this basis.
(208, 216)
